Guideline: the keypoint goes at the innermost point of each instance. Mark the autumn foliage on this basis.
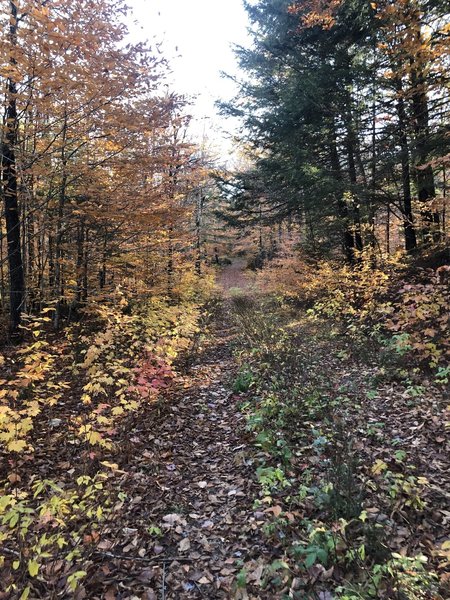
(100, 169)
(277, 435)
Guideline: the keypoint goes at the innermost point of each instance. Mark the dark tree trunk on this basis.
(170, 265)
(10, 189)
(371, 204)
(388, 229)
(348, 242)
(424, 173)
(408, 221)
(80, 260)
(351, 148)
(84, 295)
(444, 194)
(59, 282)
(350, 145)
(31, 259)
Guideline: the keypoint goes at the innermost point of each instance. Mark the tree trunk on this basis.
(31, 259)
(424, 173)
(408, 221)
(10, 188)
(170, 265)
(350, 145)
(80, 261)
(60, 229)
(371, 205)
(198, 228)
(444, 197)
(388, 230)
(84, 295)
(348, 242)
(102, 274)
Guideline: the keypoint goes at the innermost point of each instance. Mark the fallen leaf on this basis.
(275, 510)
(184, 545)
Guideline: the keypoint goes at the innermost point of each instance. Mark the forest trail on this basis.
(190, 528)
(192, 524)
(233, 279)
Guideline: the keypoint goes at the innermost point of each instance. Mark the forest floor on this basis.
(192, 524)
(183, 468)
(224, 495)
(217, 512)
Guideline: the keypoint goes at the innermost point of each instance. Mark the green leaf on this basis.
(310, 560)
(241, 579)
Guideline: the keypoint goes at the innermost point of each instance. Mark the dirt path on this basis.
(234, 278)
(189, 527)
(192, 525)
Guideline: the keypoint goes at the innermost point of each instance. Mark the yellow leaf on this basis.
(33, 568)
(112, 466)
(25, 593)
(17, 445)
(379, 467)
(94, 437)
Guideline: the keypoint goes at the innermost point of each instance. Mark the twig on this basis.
(199, 589)
(163, 591)
(12, 552)
(143, 559)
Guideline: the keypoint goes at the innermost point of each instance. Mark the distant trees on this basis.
(90, 146)
(346, 114)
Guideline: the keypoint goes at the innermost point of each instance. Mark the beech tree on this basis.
(88, 149)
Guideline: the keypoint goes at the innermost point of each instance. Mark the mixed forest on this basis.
(226, 382)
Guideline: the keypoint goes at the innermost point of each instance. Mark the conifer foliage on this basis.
(345, 114)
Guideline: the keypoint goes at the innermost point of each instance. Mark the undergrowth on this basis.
(352, 508)
(67, 405)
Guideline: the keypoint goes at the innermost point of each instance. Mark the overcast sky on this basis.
(197, 36)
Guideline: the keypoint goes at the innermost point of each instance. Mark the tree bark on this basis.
(348, 242)
(423, 171)
(350, 145)
(408, 221)
(60, 229)
(80, 260)
(198, 229)
(10, 188)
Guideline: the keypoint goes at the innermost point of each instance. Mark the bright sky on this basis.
(197, 36)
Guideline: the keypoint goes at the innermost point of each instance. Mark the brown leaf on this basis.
(275, 510)
(184, 545)
(110, 594)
